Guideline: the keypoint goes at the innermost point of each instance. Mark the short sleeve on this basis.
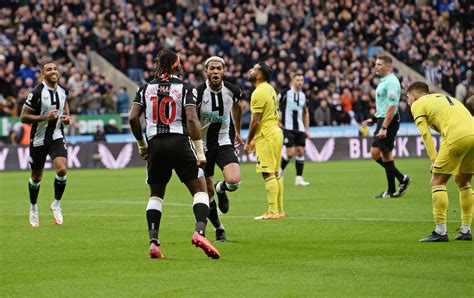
(418, 112)
(257, 102)
(139, 96)
(393, 92)
(236, 91)
(190, 95)
(33, 101)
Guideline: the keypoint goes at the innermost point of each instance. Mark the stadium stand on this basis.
(334, 43)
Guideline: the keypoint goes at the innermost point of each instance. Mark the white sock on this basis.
(34, 207)
(440, 229)
(465, 229)
(221, 227)
(218, 187)
(63, 178)
(56, 203)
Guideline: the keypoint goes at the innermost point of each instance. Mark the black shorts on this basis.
(294, 138)
(222, 157)
(171, 152)
(38, 154)
(387, 144)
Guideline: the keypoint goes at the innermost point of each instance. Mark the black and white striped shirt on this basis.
(164, 102)
(214, 112)
(292, 106)
(41, 100)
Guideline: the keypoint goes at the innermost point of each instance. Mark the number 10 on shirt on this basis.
(161, 107)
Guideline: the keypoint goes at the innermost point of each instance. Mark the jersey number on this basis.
(451, 103)
(159, 109)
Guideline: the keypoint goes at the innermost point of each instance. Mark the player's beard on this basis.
(253, 79)
(50, 80)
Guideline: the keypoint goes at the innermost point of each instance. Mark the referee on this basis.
(387, 97)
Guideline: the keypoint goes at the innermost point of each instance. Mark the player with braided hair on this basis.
(174, 142)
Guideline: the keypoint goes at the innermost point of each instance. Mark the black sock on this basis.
(380, 162)
(34, 190)
(299, 167)
(213, 216)
(201, 213)
(284, 163)
(223, 186)
(153, 218)
(395, 171)
(59, 187)
(390, 177)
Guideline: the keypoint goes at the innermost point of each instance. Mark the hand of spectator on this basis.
(66, 120)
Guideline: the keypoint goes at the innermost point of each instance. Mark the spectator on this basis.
(122, 100)
(99, 135)
(111, 127)
(323, 114)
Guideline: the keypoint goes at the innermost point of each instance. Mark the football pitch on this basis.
(335, 241)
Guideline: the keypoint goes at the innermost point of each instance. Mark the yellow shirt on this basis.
(444, 114)
(264, 100)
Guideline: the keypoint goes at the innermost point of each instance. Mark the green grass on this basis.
(336, 240)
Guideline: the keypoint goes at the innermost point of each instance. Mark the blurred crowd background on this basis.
(334, 43)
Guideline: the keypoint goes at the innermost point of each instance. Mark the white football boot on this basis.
(299, 181)
(57, 215)
(34, 217)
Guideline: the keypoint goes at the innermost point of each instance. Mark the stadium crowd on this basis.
(333, 43)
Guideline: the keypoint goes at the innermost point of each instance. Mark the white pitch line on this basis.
(143, 202)
(302, 218)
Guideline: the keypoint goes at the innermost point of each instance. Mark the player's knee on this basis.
(36, 178)
(462, 180)
(62, 171)
(232, 185)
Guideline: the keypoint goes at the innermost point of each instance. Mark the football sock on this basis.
(440, 229)
(380, 162)
(213, 216)
(299, 164)
(439, 196)
(221, 187)
(394, 170)
(466, 200)
(231, 186)
(154, 210)
(271, 187)
(280, 195)
(465, 229)
(34, 188)
(201, 211)
(56, 203)
(284, 162)
(59, 186)
(390, 177)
